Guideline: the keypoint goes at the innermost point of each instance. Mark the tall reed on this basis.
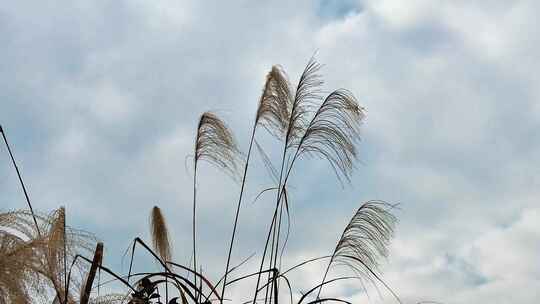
(272, 112)
(215, 144)
(38, 249)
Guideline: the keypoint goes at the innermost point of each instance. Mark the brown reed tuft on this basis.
(160, 234)
(275, 103)
(215, 144)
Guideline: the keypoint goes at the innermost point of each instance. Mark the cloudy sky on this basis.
(100, 100)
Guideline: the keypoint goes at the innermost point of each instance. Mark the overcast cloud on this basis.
(100, 100)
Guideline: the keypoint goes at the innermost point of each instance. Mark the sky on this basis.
(100, 100)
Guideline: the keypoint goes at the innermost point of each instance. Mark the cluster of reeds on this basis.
(39, 252)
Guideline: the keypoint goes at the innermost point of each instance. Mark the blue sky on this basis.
(100, 100)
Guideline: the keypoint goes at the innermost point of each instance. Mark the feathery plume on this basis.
(307, 95)
(272, 114)
(365, 240)
(160, 234)
(334, 131)
(275, 103)
(215, 144)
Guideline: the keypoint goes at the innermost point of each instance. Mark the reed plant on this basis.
(38, 253)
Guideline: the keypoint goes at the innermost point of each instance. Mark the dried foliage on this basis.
(31, 265)
(20, 273)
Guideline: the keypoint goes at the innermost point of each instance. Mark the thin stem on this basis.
(110, 272)
(288, 135)
(266, 299)
(277, 247)
(237, 212)
(193, 220)
(221, 279)
(281, 190)
(138, 240)
(271, 225)
(20, 180)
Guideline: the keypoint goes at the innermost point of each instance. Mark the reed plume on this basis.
(272, 114)
(365, 241)
(306, 97)
(160, 234)
(333, 132)
(215, 144)
(275, 104)
(299, 108)
(35, 249)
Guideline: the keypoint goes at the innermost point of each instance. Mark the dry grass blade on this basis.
(272, 171)
(215, 144)
(275, 103)
(334, 131)
(365, 240)
(160, 234)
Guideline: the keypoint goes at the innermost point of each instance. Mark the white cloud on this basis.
(101, 102)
